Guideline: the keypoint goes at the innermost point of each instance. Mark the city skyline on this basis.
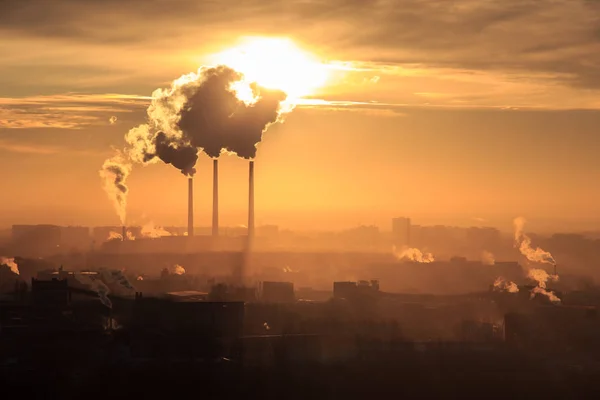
(406, 121)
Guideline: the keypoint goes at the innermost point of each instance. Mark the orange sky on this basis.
(486, 110)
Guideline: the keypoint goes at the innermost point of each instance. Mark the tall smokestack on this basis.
(190, 206)
(124, 233)
(251, 199)
(215, 216)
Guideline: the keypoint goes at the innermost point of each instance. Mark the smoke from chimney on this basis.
(190, 231)
(412, 254)
(487, 258)
(214, 109)
(502, 285)
(10, 263)
(215, 212)
(251, 199)
(523, 242)
(114, 174)
(153, 232)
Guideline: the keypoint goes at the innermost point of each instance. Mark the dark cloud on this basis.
(541, 36)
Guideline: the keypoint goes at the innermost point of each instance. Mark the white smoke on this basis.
(502, 285)
(114, 173)
(113, 120)
(93, 282)
(413, 254)
(541, 277)
(112, 235)
(550, 295)
(523, 242)
(151, 231)
(117, 281)
(487, 258)
(178, 270)
(10, 263)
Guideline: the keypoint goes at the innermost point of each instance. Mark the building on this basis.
(401, 232)
(36, 240)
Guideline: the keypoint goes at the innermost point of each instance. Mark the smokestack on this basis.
(215, 216)
(251, 200)
(124, 233)
(190, 206)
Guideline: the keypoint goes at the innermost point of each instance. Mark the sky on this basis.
(463, 112)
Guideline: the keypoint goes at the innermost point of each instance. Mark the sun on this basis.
(276, 63)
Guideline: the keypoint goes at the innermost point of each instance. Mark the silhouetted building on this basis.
(53, 292)
(277, 292)
(401, 230)
(36, 240)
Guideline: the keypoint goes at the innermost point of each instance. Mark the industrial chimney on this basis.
(251, 200)
(215, 216)
(190, 206)
(124, 237)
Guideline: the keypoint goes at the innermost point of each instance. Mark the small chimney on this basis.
(251, 199)
(124, 233)
(190, 206)
(215, 216)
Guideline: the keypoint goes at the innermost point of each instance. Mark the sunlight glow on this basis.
(276, 63)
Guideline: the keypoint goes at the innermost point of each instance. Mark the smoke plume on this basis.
(502, 285)
(523, 242)
(95, 284)
(178, 270)
(487, 258)
(112, 120)
(112, 235)
(214, 110)
(413, 254)
(151, 231)
(114, 175)
(10, 263)
(541, 277)
(117, 281)
(550, 295)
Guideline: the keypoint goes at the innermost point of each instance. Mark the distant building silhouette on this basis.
(401, 231)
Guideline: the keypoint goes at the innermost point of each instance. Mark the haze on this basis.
(465, 113)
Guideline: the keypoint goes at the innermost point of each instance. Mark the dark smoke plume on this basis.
(215, 118)
(181, 156)
(214, 110)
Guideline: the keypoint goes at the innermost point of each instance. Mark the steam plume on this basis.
(413, 254)
(541, 277)
(523, 242)
(151, 231)
(112, 235)
(550, 295)
(178, 270)
(95, 284)
(214, 110)
(112, 120)
(10, 263)
(501, 284)
(487, 258)
(114, 175)
(117, 281)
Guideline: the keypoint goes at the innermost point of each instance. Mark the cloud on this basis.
(512, 54)
(555, 36)
(22, 148)
(64, 111)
